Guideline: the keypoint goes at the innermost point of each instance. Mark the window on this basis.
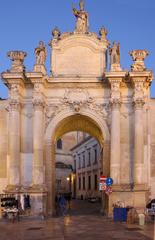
(95, 155)
(83, 161)
(89, 182)
(89, 159)
(95, 181)
(83, 183)
(59, 144)
(79, 162)
(79, 183)
(75, 164)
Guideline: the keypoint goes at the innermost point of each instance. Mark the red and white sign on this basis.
(102, 186)
(103, 178)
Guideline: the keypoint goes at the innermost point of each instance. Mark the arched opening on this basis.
(76, 123)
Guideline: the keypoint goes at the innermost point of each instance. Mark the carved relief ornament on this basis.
(38, 100)
(138, 98)
(115, 100)
(76, 100)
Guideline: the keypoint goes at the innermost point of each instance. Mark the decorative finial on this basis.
(56, 33)
(17, 58)
(103, 33)
(138, 56)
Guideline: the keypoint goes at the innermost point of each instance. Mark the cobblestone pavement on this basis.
(82, 222)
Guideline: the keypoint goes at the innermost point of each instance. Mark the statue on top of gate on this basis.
(41, 54)
(115, 57)
(81, 15)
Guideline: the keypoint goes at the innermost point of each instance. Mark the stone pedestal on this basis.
(40, 68)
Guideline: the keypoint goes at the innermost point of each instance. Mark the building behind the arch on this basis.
(80, 94)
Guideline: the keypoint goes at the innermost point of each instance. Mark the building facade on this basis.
(80, 94)
(65, 163)
(87, 164)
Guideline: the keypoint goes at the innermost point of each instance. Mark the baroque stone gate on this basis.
(83, 93)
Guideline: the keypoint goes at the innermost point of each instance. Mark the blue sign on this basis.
(109, 181)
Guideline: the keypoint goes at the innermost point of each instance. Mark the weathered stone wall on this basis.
(152, 146)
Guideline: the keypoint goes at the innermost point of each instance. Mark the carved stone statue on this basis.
(41, 53)
(138, 57)
(115, 57)
(82, 19)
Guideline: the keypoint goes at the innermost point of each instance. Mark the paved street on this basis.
(82, 222)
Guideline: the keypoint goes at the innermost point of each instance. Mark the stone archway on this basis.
(65, 122)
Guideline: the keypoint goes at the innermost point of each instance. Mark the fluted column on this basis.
(38, 165)
(14, 145)
(115, 142)
(115, 130)
(139, 143)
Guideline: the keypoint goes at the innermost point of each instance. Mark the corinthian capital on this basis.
(38, 103)
(138, 103)
(14, 104)
(115, 103)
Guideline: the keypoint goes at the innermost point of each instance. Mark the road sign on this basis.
(102, 186)
(103, 178)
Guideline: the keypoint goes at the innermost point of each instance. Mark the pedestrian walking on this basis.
(62, 204)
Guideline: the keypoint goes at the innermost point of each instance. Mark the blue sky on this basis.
(23, 23)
